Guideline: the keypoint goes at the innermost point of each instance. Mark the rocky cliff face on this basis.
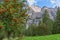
(37, 12)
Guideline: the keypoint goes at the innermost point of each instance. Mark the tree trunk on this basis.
(9, 33)
(1, 38)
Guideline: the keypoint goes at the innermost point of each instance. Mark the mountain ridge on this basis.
(36, 13)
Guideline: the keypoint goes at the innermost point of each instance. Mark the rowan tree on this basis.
(13, 16)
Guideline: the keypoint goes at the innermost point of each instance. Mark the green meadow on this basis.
(50, 37)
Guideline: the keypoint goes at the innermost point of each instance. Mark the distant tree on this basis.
(47, 21)
(31, 31)
(45, 26)
(42, 29)
(56, 27)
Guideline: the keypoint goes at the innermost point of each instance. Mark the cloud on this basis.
(52, 1)
(31, 2)
(55, 3)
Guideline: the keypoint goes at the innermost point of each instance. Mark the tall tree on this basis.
(12, 16)
(45, 25)
(31, 31)
(56, 28)
(46, 19)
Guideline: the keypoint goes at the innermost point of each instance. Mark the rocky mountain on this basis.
(36, 13)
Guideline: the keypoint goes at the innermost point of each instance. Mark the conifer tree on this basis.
(46, 20)
(56, 27)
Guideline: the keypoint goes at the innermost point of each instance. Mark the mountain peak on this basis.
(35, 8)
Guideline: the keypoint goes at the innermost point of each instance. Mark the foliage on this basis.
(56, 27)
(42, 29)
(48, 22)
(31, 31)
(12, 16)
(45, 27)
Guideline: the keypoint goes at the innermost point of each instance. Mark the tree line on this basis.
(46, 26)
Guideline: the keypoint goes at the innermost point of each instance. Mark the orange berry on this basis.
(2, 10)
(12, 12)
(15, 20)
(0, 27)
(10, 7)
(7, 0)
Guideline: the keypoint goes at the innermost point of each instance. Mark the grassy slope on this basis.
(50, 37)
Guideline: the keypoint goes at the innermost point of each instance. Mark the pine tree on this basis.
(12, 16)
(46, 20)
(45, 25)
(42, 29)
(56, 28)
(31, 31)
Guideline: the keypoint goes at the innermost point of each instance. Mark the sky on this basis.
(47, 3)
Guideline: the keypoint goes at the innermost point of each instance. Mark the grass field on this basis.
(48, 37)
